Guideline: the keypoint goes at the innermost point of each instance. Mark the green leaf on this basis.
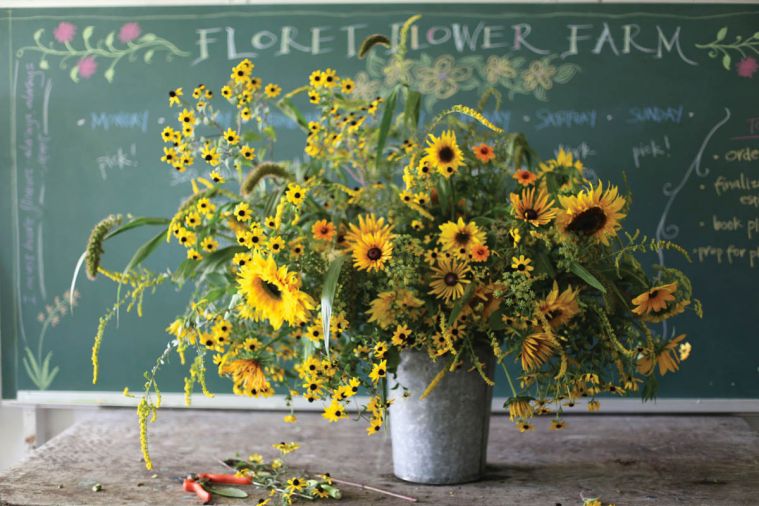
(329, 288)
(463, 301)
(582, 273)
(87, 33)
(109, 39)
(137, 222)
(227, 491)
(726, 61)
(721, 34)
(387, 118)
(292, 112)
(370, 42)
(145, 250)
(411, 111)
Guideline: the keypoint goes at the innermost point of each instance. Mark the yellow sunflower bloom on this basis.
(444, 154)
(558, 308)
(537, 349)
(592, 213)
(534, 209)
(655, 299)
(247, 376)
(273, 292)
(372, 251)
(458, 237)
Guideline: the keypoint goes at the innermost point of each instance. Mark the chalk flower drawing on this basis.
(38, 368)
(740, 46)
(131, 42)
(747, 67)
(443, 77)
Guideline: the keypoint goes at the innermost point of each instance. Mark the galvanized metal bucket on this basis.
(442, 439)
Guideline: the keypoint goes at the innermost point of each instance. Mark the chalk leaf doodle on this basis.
(443, 77)
(747, 48)
(83, 58)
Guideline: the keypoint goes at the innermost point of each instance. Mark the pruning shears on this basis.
(197, 483)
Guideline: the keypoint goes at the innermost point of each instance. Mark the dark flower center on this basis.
(588, 222)
(463, 237)
(273, 289)
(653, 294)
(374, 253)
(521, 267)
(530, 214)
(451, 279)
(445, 154)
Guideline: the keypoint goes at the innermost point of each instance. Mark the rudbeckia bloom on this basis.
(247, 375)
(273, 292)
(371, 251)
(655, 299)
(449, 279)
(483, 153)
(592, 213)
(534, 209)
(537, 349)
(444, 154)
(524, 177)
(460, 236)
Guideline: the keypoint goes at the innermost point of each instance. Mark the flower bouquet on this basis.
(449, 241)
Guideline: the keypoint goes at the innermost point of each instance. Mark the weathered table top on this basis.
(626, 460)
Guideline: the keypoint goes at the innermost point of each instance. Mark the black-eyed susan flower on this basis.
(458, 237)
(519, 408)
(479, 252)
(242, 212)
(276, 244)
(244, 238)
(209, 244)
(372, 251)
(247, 152)
(522, 264)
(285, 448)
(557, 424)
(524, 177)
(198, 91)
(296, 249)
(245, 114)
(444, 154)
(655, 299)
(272, 90)
(535, 209)
(231, 136)
(169, 155)
(314, 97)
(295, 194)
(193, 254)
(323, 230)
(401, 336)
(211, 155)
(330, 78)
(186, 117)
(334, 412)
(665, 357)
(316, 79)
(273, 292)
(558, 308)
(216, 177)
(168, 134)
(483, 152)
(379, 371)
(448, 279)
(347, 86)
(380, 349)
(175, 97)
(525, 427)
(594, 213)
(289, 418)
(241, 259)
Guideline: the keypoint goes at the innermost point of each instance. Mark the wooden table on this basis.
(627, 460)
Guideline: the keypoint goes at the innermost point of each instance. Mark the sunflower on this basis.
(444, 154)
(367, 224)
(534, 209)
(371, 251)
(557, 308)
(666, 358)
(483, 153)
(448, 279)
(592, 213)
(390, 305)
(273, 292)
(655, 299)
(519, 408)
(247, 375)
(524, 177)
(460, 236)
(537, 349)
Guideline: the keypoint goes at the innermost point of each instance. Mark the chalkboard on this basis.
(658, 99)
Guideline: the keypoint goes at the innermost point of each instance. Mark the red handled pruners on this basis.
(197, 483)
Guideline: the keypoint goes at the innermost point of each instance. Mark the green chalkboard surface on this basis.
(663, 99)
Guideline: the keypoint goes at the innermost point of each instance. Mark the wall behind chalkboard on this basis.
(659, 98)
